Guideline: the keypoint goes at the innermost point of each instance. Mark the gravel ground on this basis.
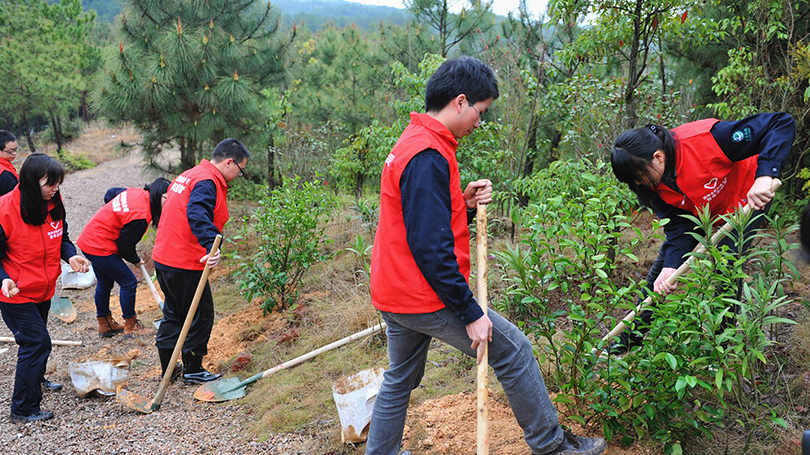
(100, 425)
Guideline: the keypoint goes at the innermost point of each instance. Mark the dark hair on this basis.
(5, 138)
(230, 148)
(32, 207)
(633, 152)
(466, 75)
(156, 191)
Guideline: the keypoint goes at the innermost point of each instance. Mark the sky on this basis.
(501, 7)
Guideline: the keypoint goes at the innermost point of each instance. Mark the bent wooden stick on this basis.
(724, 231)
(482, 383)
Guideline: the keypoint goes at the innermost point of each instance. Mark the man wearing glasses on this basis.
(195, 212)
(8, 151)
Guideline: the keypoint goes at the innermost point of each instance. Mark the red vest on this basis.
(705, 174)
(397, 284)
(175, 245)
(5, 165)
(33, 253)
(100, 236)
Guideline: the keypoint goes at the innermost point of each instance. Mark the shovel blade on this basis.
(63, 308)
(134, 401)
(222, 390)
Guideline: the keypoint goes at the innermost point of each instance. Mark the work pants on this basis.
(28, 322)
(179, 288)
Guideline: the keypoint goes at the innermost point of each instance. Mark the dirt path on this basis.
(101, 425)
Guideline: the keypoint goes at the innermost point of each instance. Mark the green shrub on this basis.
(700, 366)
(286, 237)
(75, 162)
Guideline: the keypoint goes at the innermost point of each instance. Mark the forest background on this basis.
(320, 91)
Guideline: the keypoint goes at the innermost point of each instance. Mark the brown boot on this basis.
(107, 326)
(134, 327)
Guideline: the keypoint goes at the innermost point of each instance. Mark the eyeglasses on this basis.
(11, 151)
(241, 171)
(480, 115)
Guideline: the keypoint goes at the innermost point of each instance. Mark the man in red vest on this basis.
(421, 264)
(195, 211)
(8, 151)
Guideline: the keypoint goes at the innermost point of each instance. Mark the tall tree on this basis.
(451, 28)
(190, 73)
(42, 58)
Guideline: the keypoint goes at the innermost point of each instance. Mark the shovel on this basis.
(482, 432)
(678, 272)
(63, 308)
(233, 388)
(154, 293)
(139, 402)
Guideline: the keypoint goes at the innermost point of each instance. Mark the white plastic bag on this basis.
(101, 376)
(354, 396)
(76, 280)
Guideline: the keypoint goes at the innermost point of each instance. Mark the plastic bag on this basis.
(100, 376)
(354, 396)
(76, 280)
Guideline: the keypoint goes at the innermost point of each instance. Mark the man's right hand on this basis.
(211, 259)
(479, 331)
(10, 288)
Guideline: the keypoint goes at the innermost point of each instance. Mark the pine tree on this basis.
(189, 73)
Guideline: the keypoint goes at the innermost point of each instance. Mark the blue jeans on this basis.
(112, 269)
(510, 356)
(28, 322)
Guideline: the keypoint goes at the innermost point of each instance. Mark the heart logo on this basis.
(711, 185)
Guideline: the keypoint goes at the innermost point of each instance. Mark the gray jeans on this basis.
(510, 355)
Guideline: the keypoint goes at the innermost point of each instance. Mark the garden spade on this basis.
(145, 405)
(233, 388)
(724, 231)
(154, 293)
(63, 308)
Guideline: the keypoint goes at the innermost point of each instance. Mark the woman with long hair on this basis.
(33, 239)
(704, 163)
(109, 238)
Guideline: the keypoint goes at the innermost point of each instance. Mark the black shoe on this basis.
(579, 445)
(200, 377)
(51, 386)
(40, 415)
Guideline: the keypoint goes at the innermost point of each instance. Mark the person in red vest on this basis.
(708, 162)
(33, 239)
(196, 209)
(8, 151)
(420, 269)
(109, 238)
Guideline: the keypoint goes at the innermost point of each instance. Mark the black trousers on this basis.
(645, 317)
(28, 322)
(179, 288)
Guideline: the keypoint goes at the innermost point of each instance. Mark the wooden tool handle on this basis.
(482, 381)
(164, 384)
(151, 284)
(722, 232)
(53, 342)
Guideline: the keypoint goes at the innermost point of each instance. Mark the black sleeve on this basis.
(767, 135)
(200, 213)
(128, 238)
(678, 241)
(68, 249)
(426, 211)
(112, 192)
(3, 273)
(7, 182)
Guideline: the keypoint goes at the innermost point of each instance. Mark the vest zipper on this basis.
(44, 260)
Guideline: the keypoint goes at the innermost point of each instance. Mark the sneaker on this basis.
(51, 386)
(200, 377)
(39, 415)
(579, 445)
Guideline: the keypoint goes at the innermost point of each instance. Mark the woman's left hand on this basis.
(79, 264)
(760, 193)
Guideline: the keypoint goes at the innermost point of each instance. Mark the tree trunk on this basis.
(271, 162)
(186, 155)
(57, 137)
(27, 126)
(85, 114)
